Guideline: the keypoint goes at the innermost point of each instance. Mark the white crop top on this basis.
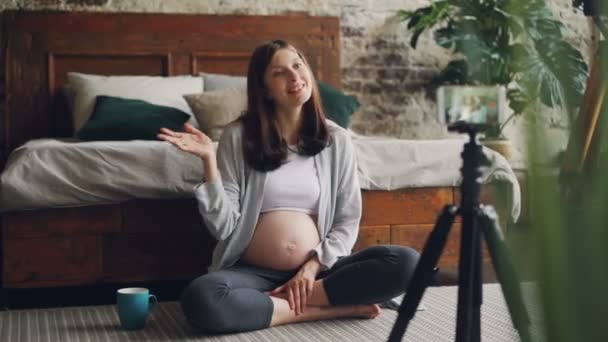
(293, 186)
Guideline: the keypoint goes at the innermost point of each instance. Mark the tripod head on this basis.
(472, 159)
(464, 127)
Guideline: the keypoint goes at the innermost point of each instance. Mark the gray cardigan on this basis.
(230, 205)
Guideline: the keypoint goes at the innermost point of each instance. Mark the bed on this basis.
(117, 234)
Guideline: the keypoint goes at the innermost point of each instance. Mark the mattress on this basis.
(52, 173)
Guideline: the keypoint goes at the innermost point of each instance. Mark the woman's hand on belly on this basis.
(282, 240)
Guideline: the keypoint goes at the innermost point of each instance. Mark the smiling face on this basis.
(288, 80)
(283, 107)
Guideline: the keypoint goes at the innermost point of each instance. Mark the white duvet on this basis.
(47, 173)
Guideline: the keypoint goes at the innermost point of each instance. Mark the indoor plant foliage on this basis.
(515, 43)
(568, 226)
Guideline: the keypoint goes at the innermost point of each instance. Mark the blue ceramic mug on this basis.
(134, 306)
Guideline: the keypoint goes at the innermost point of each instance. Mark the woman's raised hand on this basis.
(191, 140)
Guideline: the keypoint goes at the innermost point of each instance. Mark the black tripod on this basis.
(474, 217)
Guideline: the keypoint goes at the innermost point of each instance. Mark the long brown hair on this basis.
(264, 147)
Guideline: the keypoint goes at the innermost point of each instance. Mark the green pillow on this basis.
(115, 118)
(338, 106)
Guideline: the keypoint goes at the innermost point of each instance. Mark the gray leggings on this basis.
(233, 299)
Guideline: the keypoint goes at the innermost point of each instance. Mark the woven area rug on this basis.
(100, 323)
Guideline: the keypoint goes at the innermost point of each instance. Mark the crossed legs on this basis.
(234, 299)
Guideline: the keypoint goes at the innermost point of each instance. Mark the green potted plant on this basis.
(513, 43)
(568, 217)
(568, 232)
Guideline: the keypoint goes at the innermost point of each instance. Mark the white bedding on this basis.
(389, 164)
(51, 173)
(47, 173)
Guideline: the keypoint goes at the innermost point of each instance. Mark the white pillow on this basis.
(216, 109)
(158, 90)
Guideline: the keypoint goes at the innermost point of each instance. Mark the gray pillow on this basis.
(220, 81)
(217, 108)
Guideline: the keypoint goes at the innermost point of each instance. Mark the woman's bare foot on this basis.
(362, 311)
(282, 314)
(367, 311)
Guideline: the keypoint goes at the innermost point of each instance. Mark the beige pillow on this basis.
(215, 109)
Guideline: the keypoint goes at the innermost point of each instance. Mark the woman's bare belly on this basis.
(282, 240)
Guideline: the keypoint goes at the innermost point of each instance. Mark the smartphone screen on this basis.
(482, 106)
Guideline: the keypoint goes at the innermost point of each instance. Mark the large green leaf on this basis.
(524, 17)
(552, 70)
(487, 60)
(527, 9)
(425, 18)
(544, 29)
(446, 37)
(456, 72)
(518, 98)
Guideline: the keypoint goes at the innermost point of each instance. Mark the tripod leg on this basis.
(466, 273)
(505, 271)
(477, 288)
(424, 271)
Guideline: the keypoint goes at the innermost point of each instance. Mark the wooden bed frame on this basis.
(149, 240)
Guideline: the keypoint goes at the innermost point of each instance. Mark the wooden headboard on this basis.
(43, 46)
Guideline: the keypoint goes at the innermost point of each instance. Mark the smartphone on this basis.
(481, 106)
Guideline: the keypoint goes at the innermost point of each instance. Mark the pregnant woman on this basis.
(282, 198)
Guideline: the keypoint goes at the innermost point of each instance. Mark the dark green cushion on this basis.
(337, 105)
(115, 118)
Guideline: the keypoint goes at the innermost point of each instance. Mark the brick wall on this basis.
(378, 66)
